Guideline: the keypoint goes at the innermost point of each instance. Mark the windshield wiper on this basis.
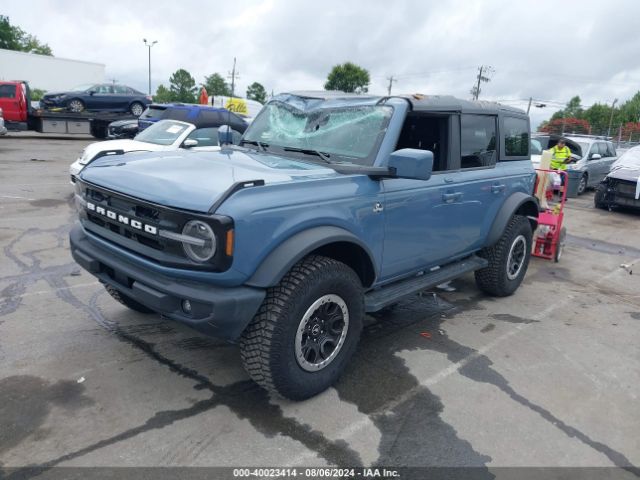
(262, 146)
(310, 151)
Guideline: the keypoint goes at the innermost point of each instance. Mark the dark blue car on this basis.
(191, 113)
(100, 96)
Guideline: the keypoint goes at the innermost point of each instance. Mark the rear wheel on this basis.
(508, 259)
(306, 330)
(582, 185)
(76, 105)
(136, 109)
(127, 301)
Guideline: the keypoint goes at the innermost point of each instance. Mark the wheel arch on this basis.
(329, 241)
(517, 204)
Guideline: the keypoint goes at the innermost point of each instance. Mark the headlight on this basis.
(573, 166)
(204, 245)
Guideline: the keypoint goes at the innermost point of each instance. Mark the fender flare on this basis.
(528, 204)
(280, 260)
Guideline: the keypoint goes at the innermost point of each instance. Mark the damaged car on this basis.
(621, 187)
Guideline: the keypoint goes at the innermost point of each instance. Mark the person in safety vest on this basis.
(560, 155)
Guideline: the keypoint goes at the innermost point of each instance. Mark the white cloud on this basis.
(547, 49)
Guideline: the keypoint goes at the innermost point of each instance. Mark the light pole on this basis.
(149, 45)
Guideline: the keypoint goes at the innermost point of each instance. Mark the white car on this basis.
(161, 136)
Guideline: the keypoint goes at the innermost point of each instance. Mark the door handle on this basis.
(497, 188)
(451, 197)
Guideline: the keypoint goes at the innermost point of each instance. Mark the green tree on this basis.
(348, 77)
(256, 92)
(183, 87)
(216, 85)
(37, 94)
(163, 95)
(13, 37)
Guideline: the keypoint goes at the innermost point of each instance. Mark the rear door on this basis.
(608, 159)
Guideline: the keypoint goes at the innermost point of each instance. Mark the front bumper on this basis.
(222, 312)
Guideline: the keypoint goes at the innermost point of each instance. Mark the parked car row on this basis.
(168, 127)
(591, 156)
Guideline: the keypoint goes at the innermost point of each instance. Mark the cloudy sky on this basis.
(548, 50)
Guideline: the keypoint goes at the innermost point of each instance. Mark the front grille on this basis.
(136, 225)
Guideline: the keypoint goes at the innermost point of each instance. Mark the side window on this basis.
(7, 91)
(104, 89)
(611, 150)
(426, 132)
(206, 137)
(477, 141)
(177, 113)
(210, 116)
(120, 89)
(516, 137)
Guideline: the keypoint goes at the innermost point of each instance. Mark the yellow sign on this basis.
(237, 105)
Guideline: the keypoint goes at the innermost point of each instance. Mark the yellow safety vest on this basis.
(559, 156)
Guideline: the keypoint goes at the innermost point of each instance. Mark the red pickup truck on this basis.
(19, 115)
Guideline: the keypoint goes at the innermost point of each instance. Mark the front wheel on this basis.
(582, 185)
(306, 330)
(75, 105)
(598, 198)
(508, 259)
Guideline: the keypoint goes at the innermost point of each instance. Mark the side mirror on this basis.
(412, 163)
(225, 136)
(595, 156)
(91, 92)
(190, 142)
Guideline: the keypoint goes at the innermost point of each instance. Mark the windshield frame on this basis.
(324, 107)
(189, 127)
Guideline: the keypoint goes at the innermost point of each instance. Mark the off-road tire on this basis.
(127, 301)
(493, 279)
(598, 198)
(267, 345)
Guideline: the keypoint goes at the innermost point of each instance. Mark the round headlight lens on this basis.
(206, 248)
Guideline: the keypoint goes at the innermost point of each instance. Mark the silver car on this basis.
(592, 156)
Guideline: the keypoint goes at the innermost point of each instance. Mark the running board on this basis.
(378, 299)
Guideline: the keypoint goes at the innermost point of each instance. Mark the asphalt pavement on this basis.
(549, 377)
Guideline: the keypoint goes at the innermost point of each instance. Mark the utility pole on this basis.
(483, 76)
(113, 80)
(233, 75)
(391, 81)
(529, 106)
(613, 106)
(149, 45)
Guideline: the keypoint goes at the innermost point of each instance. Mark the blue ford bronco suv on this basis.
(334, 205)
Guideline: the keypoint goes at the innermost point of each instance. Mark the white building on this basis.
(49, 73)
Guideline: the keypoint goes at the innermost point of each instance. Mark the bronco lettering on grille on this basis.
(137, 224)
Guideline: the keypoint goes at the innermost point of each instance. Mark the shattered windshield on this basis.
(343, 134)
